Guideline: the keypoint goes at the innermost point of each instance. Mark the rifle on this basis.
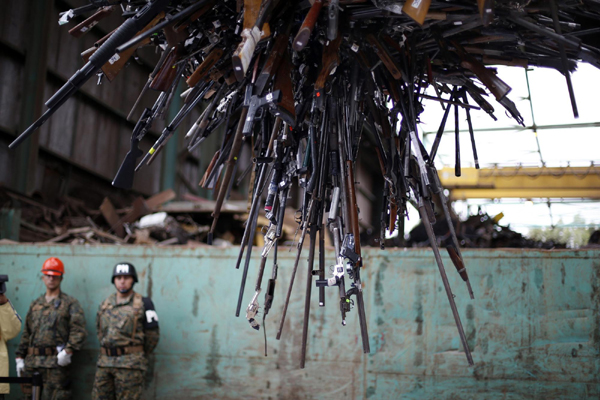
(315, 226)
(271, 236)
(351, 249)
(422, 193)
(116, 63)
(202, 70)
(250, 38)
(251, 226)
(463, 94)
(99, 58)
(197, 132)
(438, 259)
(168, 73)
(438, 136)
(383, 55)
(454, 247)
(563, 58)
(196, 96)
(457, 171)
(157, 68)
(172, 20)
(124, 177)
(250, 106)
(307, 27)
(283, 82)
(494, 84)
(270, 293)
(273, 61)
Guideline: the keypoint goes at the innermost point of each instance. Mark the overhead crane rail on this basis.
(523, 182)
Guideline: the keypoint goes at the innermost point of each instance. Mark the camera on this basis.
(3, 280)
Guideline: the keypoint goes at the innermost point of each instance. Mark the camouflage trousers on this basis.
(118, 384)
(57, 385)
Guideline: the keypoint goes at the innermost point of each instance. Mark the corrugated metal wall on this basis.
(534, 327)
(90, 133)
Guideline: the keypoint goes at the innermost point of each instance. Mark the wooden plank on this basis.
(160, 198)
(110, 215)
(139, 210)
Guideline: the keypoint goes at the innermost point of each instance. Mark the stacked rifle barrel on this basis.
(304, 83)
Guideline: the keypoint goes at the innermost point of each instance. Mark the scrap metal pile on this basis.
(306, 83)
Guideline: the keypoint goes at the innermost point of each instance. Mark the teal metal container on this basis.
(533, 328)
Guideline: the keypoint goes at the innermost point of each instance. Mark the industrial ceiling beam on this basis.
(523, 182)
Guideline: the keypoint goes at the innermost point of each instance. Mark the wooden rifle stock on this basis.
(417, 10)
(118, 61)
(308, 25)
(174, 37)
(393, 217)
(331, 60)
(486, 11)
(384, 56)
(255, 16)
(458, 262)
(88, 53)
(84, 27)
(167, 74)
(202, 71)
(353, 209)
(272, 64)
(251, 11)
(285, 109)
(209, 169)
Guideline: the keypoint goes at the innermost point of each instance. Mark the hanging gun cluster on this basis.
(304, 83)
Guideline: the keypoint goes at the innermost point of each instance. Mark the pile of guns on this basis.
(303, 83)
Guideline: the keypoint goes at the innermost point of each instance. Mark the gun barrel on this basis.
(440, 264)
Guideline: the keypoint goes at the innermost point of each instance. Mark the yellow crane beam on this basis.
(522, 182)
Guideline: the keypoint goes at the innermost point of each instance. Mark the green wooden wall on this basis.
(533, 328)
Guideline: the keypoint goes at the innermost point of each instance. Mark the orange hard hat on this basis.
(53, 266)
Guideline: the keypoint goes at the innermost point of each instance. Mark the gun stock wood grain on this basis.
(202, 71)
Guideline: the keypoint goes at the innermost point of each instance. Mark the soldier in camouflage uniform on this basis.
(127, 331)
(54, 329)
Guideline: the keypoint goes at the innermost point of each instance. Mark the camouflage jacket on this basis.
(127, 324)
(59, 322)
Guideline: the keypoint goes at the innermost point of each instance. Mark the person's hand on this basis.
(3, 299)
(63, 358)
(20, 366)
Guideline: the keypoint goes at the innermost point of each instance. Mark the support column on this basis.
(39, 14)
